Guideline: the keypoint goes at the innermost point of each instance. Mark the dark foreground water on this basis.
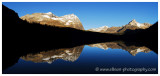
(94, 58)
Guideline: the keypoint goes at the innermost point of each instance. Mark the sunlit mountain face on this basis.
(50, 19)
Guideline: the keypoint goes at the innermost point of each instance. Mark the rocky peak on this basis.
(49, 18)
(71, 17)
(134, 23)
(139, 25)
(50, 13)
(104, 27)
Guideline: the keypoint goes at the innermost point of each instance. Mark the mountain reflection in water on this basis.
(85, 58)
(133, 50)
(72, 54)
(50, 56)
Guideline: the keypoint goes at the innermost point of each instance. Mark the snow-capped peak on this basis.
(134, 20)
(49, 13)
(70, 16)
(104, 27)
(99, 29)
(135, 23)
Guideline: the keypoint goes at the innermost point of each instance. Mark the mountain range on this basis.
(132, 25)
(73, 21)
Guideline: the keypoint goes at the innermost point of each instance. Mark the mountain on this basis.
(136, 24)
(132, 25)
(49, 18)
(100, 29)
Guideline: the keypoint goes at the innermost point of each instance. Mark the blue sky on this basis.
(93, 14)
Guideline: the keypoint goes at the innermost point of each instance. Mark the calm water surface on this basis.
(94, 58)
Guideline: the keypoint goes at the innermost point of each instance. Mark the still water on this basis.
(106, 58)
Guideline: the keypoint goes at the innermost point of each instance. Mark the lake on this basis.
(108, 58)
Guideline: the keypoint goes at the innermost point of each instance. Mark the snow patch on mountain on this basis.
(140, 50)
(138, 24)
(60, 19)
(49, 13)
(68, 19)
(99, 29)
(45, 58)
(46, 16)
(135, 23)
(68, 22)
(104, 47)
